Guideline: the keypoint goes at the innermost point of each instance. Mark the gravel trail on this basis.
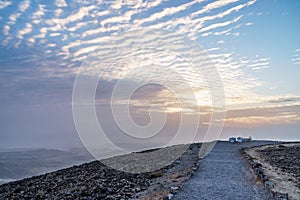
(224, 174)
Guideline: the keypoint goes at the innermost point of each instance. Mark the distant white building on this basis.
(241, 139)
(232, 140)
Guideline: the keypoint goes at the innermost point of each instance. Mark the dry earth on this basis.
(281, 164)
(95, 180)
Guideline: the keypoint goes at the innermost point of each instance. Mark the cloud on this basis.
(24, 5)
(119, 19)
(254, 121)
(54, 34)
(87, 41)
(192, 26)
(198, 23)
(52, 45)
(296, 57)
(72, 35)
(262, 116)
(4, 4)
(134, 4)
(224, 32)
(6, 29)
(236, 34)
(237, 83)
(164, 13)
(77, 26)
(212, 6)
(61, 3)
(213, 49)
(84, 50)
(221, 24)
(13, 18)
(64, 35)
(84, 28)
(285, 99)
(25, 31)
(58, 12)
(260, 63)
(79, 15)
(39, 13)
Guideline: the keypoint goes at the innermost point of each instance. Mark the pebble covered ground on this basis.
(284, 157)
(224, 174)
(94, 180)
(278, 167)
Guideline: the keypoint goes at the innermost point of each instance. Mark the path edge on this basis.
(257, 170)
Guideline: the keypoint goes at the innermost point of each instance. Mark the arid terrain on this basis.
(94, 180)
(222, 174)
(281, 167)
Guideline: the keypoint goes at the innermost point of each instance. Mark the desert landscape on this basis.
(94, 180)
(278, 166)
(220, 174)
(150, 99)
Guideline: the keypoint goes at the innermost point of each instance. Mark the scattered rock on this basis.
(169, 196)
(156, 174)
(259, 171)
(174, 188)
(269, 184)
(285, 158)
(95, 180)
(256, 164)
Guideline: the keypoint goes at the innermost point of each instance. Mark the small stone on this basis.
(156, 174)
(269, 184)
(170, 196)
(109, 190)
(256, 164)
(259, 171)
(67, 192)
(174, 188)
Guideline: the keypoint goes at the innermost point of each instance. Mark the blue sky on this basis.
(254, 44)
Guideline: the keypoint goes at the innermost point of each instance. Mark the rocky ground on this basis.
(224, 174)
(278, 166)
(95, 180)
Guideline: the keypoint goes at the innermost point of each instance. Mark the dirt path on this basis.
(224, 174)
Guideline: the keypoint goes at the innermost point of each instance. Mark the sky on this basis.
(254, 45)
